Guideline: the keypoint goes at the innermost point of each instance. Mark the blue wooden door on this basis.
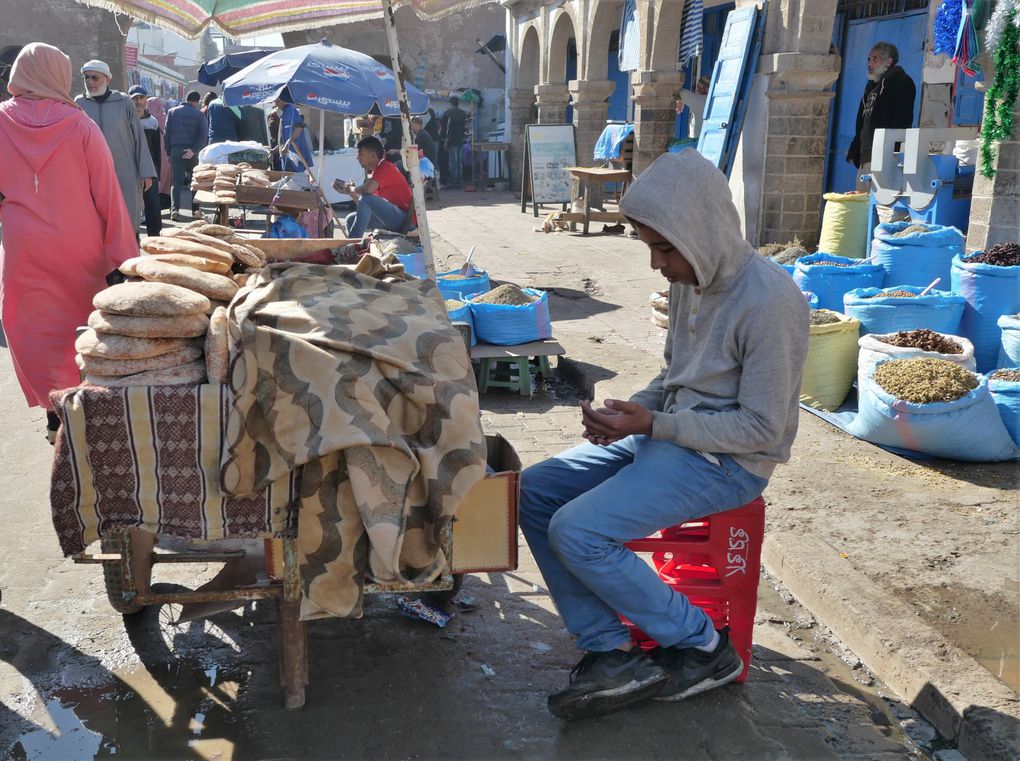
(732, 73)
(907, 33)
(969, 102)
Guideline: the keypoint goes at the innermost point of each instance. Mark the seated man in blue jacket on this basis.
(703, 437)
(185, 135)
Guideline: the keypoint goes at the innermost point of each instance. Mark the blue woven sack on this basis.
(463, 314)
(1009, 340)
(968, 429)
(990, 292)
(1006, 395)
(508, 325)
(937, 310)
(918, 258)
(812, 299)
(414, 263)
(464, 286)
(830, 283)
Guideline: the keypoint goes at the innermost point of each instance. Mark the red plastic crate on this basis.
(716, 562)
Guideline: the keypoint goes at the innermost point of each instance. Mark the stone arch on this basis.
(528, 68)
(665, 42)
(605, 20)
(563, 29)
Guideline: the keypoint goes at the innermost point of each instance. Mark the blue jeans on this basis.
(374, 212)
(181, 171)
(578, 508)
(455, 155)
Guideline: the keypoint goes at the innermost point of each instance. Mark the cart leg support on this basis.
(293, 638)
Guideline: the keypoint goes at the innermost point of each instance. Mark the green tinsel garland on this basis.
(1000, 99)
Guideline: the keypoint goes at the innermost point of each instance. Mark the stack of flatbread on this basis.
(255, 177)
(225, 184)
(202, 177)
(156, 329)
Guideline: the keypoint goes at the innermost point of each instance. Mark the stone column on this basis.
(654, 114)
(552, 103)
(591, 109)
(796, 135)
(995, 202)
(521, 104)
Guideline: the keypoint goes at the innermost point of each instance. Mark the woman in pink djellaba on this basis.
(65, 225)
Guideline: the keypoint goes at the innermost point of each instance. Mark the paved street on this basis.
(77, 681)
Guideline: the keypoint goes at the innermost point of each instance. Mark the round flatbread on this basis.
(111, 346)
(195, 262)
(187, 326)
(162, 245)
(150, 300)
(217, 352)
(192, 372)
(197, 236)
(128, 265)
(108, 367)
(215, 231)
(249, 256)
(209, 284)
(214, 305)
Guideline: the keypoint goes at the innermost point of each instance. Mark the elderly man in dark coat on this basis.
(116, 116)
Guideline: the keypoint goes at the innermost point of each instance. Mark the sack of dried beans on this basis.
(915, 254)
(901, 307)
(934, 407)
(990, 285)
(1004, 385)
(1009, 341)
(831, 360)
(829, 277)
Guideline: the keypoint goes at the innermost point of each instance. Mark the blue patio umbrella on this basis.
(323, 76)
(215, 71)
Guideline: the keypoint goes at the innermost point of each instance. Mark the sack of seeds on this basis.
(915, 254)
(453, 282)
(460, 311)
(831, 360)
(509, 315)
(829, 277)
(910, 344)
(1004, 385)
(934, 407)
(1009, 341)
(990, 290)
(414, 263)
(900, 307)
(845, 225)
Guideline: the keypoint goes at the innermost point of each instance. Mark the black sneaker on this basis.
(693, 671)
(604, 682)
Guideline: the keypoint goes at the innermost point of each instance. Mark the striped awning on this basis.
(247, 17)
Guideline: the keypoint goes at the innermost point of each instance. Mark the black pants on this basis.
(153, 212)
(181, 177)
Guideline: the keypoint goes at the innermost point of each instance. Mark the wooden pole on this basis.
(410, 155)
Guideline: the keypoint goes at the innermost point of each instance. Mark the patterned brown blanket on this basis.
(368, 386)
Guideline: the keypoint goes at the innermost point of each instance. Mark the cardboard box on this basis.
(485, 530)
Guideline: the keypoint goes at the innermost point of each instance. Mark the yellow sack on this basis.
(845, 225)
(831, 364)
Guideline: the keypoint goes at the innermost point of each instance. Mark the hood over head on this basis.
(39, 127)
(687, 200)
(41, 71)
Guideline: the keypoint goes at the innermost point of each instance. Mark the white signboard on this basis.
(551, 149)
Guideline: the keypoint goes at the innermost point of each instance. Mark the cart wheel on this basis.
(115, 577)
(446, 596)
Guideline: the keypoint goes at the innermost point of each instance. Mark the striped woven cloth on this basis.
(692, 39)
(149, 457)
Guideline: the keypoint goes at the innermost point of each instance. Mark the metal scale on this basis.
(931, 188)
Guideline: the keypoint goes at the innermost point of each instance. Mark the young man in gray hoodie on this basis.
(703, 437)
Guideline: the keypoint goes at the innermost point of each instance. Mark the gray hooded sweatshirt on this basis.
(737, 340)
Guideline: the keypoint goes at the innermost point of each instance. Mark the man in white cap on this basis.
(115, 114)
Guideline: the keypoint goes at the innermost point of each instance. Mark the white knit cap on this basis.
(97, 65)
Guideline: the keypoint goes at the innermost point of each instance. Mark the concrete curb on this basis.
(953, 691)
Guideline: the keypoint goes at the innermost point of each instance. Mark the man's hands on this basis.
(187, 154)
(617, 420)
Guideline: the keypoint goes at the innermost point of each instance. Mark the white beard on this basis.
(100, 93)
(877, 74)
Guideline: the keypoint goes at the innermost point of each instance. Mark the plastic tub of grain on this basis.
(901, 307)
(508, 315)
(934, 407)
(831, 360)
(453, 283)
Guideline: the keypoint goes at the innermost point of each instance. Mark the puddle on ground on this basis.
(983, 625)
(170, 711)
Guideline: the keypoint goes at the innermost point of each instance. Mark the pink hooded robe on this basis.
(65, 226)
(158, 111)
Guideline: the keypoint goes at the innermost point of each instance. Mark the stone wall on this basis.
(81, 32)
(995, 204)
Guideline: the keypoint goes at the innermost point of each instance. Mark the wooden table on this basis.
(586, 176)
